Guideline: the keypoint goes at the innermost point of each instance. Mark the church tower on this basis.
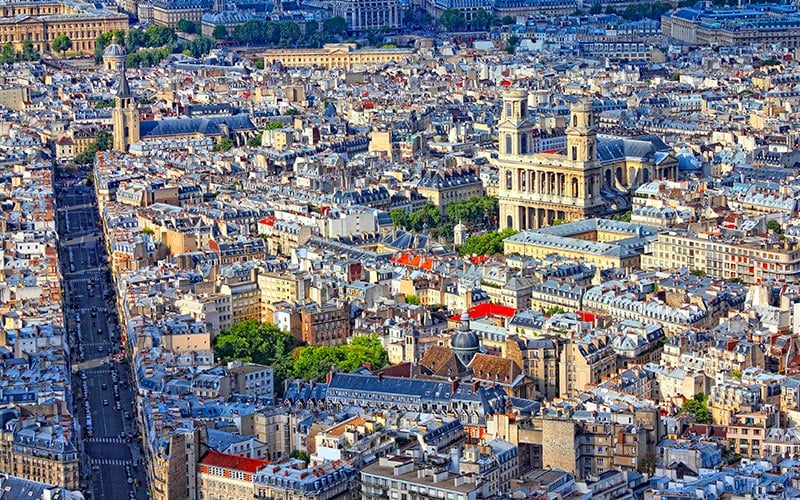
(515, 126)
(581, 135)
(125, 116)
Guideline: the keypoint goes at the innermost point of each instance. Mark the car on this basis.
(118, 406)
(126, 415)
(99, 331)
(104, 386)
(100, 348)
(105, 402)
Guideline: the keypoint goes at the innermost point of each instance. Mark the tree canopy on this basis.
(62, 43)
(263, 343)
(698, 406)
(102, 142)
(187, 26)
(255, 342)
(486, 244)
(313, 362)
(452, 20)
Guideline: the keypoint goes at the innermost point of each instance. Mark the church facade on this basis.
(593, 177)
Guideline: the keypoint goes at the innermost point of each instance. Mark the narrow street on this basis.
(112, 465)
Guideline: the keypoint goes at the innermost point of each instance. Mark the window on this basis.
(508, 144)
(574, 153)
(574, 120)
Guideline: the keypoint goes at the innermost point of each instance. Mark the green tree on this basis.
(511, 44)
(220, 32)
(29, 52)
(335, 26)
(774, 226)
(7, 55)
(103, 141)
(300, 455)
(507, 21)
(412, 299)
(452, 20)
(428, 215)
(255, 141)
(274, 125)
(597, 8)
(314, 362)
(698, 406)
(291, 112)
(481, 19)
(486, 244)
(398, 216)
(62, 43)
(259, 64)
(223, 145)
(311, 28)
(255, 342)
(187, 26)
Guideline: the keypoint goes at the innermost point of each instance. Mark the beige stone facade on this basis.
(337, 55)
(41, 22)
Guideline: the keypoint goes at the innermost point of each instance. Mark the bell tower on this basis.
(515, 126)
(125, 116)
(582, 135)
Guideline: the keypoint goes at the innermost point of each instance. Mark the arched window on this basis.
(574, 119)
(509, 180)
(574, 153)
(509, 221)
(508, 144)
(523, 144)
(523, 109)
(508, 110)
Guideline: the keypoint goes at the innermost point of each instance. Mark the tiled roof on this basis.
(216, 459)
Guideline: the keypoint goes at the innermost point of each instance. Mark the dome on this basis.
(466, 340)
(114, 50)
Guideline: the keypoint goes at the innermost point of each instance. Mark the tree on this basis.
(507, 21)
(486, 244)
(452, 20)
(311, 28)
(314, 362)
(398, 216)
(223, 145)
(597, 8)
(62, 43)
(412, 300)
(7, 56)
(103, 141)
(255, 141)
(255, 342)
(647, 465)
(29, 52)
(335, 26)
(698, 406)
(259, 64)
(275, 125)
(220, 32)
(511, 46)
(481, 19)
(775, 226)
(429, 216)
(300, 455)
(187, 26)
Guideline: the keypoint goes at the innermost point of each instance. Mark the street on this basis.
(112, 467)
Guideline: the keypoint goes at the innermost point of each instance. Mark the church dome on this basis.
(465, 340)
(114, 50)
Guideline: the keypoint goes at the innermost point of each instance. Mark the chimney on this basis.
(453, 384)
(329, 377)
(475, 386)
(380, 376)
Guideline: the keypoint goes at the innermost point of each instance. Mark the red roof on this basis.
(217, 459)
(488, 309)
(407, 259)
(584, 316)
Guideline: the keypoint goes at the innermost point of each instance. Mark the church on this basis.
(593, 177)
(128, 128)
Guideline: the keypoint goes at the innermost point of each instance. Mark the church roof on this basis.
(204, 126)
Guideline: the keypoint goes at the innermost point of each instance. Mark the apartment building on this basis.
(327, 324)
(585, 362)
(292, 480)
(227, 476)
(539, 359)
(751, 260)
(40, 452)
(402, 477)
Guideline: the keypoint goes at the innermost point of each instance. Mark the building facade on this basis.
(41, 22)
(336, 55)
(367, 15)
